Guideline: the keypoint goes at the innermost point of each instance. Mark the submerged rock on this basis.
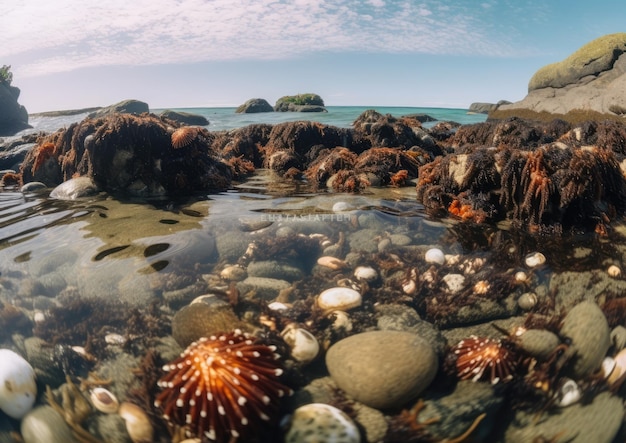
(382, 369)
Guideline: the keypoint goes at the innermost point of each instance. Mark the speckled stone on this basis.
(44, 425)
(201, 320)
(319, 422)
(382, 369)
(539, 343)
(597, 422)
(262, 287)
(274, 269)
(586, 326)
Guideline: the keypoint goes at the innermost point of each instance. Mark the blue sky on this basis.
(68, 54)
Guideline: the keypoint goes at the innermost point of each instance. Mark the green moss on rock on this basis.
(593, 58)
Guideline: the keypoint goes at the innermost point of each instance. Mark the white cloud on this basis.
(63, 35)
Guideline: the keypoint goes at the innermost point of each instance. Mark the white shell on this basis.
(104, 400)
(527, 300)
(535, 259)
(233, 273)
(614, 271)
(319, 422)
(435, 255)
(138, 424)
(521, 277)
(568, 394)
(303, 344)
(339, 299)
(608, 365)
(278, 306)
(619, 368)
(18, 389)
(341, 320)
(365, 273)
(454, 282)
(331, 262)
(342, 206)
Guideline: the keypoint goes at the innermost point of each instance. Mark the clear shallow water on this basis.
(168, 252)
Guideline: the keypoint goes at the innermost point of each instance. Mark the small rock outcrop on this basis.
(185, 118)
(300, 103)
(129, 106)
(591, 79)
(486, 108)
(13, 116)
(254, 105)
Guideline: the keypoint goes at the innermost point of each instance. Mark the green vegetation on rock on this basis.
(6, 76)
(301, 99)
(593, 58)
(575, 116)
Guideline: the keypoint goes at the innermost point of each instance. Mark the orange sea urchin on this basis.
(184, 136)
(481, 357)
(221, 386)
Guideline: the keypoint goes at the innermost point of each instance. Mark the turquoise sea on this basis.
(226, 118)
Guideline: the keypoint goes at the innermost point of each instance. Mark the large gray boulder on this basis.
(124, 107)
(186, 118)
(254, 105)
(591, 79)
(486, 108)
(13, 116)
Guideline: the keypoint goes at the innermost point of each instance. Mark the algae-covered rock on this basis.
(593, 58)
(300, 103)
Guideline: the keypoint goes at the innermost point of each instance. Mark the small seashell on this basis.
(341, 321)
(617, 374)
(568, 394)
(339, 299)
(608, 365)
(521, 277)
(104, 400)
(138, 424)
(342, 207)
(614, 271)
(39, 317)
(535, 259)
(333, 263)
(114, 338)
(365, 273)
(233, 273)
(278, 306)
(527, 301)
(319, 422)
(435, 256)
(454, 282)
(304, 346)
(482, 287)
(409, 286)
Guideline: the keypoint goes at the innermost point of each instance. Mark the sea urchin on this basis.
(480, 357)
(184, 136)
(221, 387)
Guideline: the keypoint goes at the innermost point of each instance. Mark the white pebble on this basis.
(365, 273)
(18, 389)
(304, 346)
(568, 394)
(435, 256)
(342, 206)
(535, 259)
(339, 299)
(614, 271)
(454, 282)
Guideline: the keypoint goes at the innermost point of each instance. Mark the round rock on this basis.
(586, 326)
(382, 369)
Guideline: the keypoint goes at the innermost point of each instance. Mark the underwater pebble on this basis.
(527, 301)
(114, 338)
(45, 425)
(614, 271)
(535, 259)
(138, 423)
(454, 282)
(233, 273)
(274, 269)
(278, 306)
(342, 206)
(339, 299)
(435, 256)
(588, 331)
(319, 422)
(333, 263)
(539, 343)
(18, 389)
(365, 273)
(74, 188)
(382, 369)
(597, 421)
(201, 320)
(304, 346)
(262, 287)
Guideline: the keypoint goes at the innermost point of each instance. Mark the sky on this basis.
(68, 54)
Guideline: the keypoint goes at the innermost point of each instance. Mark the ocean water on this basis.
(226, 118)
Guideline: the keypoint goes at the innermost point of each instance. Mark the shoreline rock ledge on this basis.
(591, 79)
